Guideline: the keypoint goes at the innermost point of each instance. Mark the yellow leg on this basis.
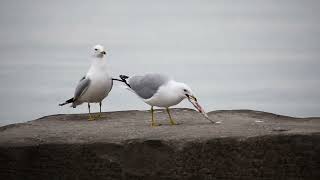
(91, 118)
(99, 116)
(153, 121)
(172, 122)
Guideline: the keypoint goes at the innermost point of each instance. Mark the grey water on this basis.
(244, 54)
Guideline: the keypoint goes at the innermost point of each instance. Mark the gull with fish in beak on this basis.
(161, 91)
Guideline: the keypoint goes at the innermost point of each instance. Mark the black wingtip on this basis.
(67, 102)
(123, 77)
(62, 104)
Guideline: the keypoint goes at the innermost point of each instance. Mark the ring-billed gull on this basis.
(96, 85)
(161, 91)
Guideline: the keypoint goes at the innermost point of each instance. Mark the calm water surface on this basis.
(244, 54)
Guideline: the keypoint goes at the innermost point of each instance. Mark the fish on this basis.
(201, 110)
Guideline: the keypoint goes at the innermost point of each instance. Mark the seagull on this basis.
(95, 85)
(161, 91)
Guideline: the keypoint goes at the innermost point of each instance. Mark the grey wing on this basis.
(81, 87)
(111, 84)
(146, 86)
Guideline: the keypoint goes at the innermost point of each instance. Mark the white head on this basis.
(184, 91)
(99, 51)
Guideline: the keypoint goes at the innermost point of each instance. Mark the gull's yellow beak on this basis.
(193, 100)
(191, 97)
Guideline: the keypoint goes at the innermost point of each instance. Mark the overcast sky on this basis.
(236, 54)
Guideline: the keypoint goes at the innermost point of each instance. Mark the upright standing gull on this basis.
(161, 91)
(96, 85)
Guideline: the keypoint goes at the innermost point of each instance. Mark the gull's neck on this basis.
(174, 85)
(98, 61)
(98, 64)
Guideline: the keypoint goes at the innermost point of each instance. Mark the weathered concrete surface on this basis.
(246, 145)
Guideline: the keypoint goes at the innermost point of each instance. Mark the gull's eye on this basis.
(184, 90)
(96, 49)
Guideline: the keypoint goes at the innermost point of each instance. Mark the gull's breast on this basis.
(164, 97)
(99, 88)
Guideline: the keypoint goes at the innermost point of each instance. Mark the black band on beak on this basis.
(191, 97)
(103, 52)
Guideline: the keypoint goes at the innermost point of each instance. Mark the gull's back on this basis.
(147, 85)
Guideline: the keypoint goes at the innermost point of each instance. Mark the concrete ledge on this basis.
(246, 145)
